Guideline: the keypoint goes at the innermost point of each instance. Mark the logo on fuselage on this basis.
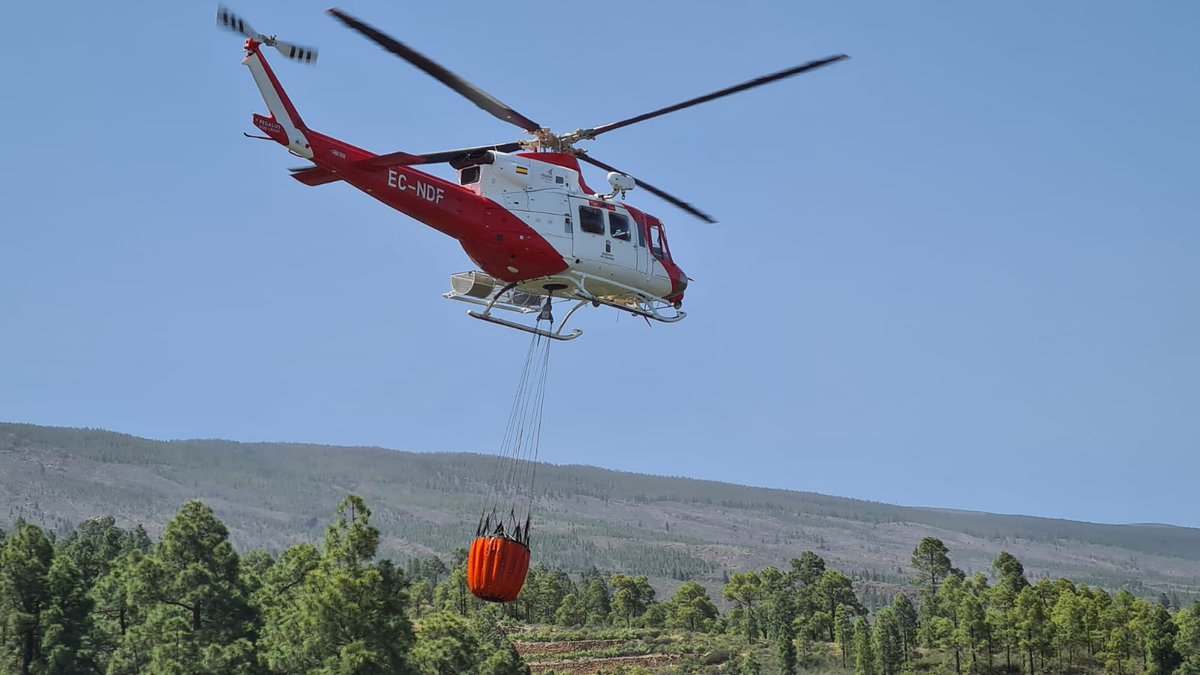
(269, 126)
(424, 190)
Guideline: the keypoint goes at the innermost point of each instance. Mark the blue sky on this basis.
(959, 270)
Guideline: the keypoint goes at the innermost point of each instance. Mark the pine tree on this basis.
(445, 645)
(691, 608)
(1010, 572)
(906, 621)
(1002, 623)
(498, 655)
(1116, 650)
(631, 596)
(96, 543)
(1068, 620)
(949, 596)
(834, 590)
(931, 561)
(843, 633)
(808, 568)
(596, 601)
(1160, 634)
(24, 593)
(972, 630)
(253, 569)
(745, 590)
(454, 594)
(889, 648)
(864, 652)
(67, 621)
(1097, 602)
(1121, 642)
(786, 648)
(1033, 626)
(348, 613)
(543, 592)
(194, 615)
(113, 613)
(282, 583)
(571, 613)
(1187, 640)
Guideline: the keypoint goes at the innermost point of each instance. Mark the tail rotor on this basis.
(232, 22)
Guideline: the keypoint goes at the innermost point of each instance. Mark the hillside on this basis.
(272, 495)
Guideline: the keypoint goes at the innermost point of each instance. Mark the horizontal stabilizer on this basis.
(314, 176)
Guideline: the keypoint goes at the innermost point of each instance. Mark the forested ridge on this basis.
(104, 599)
(274, 495)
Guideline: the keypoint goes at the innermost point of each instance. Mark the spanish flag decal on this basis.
(523, 171)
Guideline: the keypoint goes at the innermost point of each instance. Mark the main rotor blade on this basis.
(757, 82)
(650, 188)
(476, 95)
(409, 159)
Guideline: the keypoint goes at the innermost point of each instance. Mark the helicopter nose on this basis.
(678, 286)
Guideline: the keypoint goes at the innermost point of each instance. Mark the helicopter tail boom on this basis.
(284, 126)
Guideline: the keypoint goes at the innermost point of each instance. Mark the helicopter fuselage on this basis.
(527, 218)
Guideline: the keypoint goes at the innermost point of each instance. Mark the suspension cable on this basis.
(516, 462)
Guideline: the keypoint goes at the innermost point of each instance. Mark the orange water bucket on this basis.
(496, 568)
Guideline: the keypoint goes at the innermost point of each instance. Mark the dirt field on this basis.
(554, 656)
(650, 662)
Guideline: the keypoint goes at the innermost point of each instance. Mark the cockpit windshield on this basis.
(658, 240)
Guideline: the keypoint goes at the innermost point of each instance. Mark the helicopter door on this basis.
(658, 248)
(623, 244)
(643, 252)
(592, 245)
(549, 211)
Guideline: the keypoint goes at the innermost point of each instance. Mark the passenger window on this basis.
(618, 226)
(591, 220)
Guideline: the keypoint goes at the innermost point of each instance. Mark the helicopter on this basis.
(521, 210)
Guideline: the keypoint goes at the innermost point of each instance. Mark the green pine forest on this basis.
(125, 555)
(103, 599)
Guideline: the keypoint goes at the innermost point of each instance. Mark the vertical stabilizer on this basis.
(282, 111)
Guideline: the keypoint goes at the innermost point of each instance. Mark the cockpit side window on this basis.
(618, 226)
(658, 242)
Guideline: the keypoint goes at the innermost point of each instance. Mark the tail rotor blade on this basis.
(230, 21)
(296, 52)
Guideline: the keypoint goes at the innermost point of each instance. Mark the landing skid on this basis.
(488, 292)
(555, 335)
(642, 309)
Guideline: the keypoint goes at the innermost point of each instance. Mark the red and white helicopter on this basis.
(521, 211)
